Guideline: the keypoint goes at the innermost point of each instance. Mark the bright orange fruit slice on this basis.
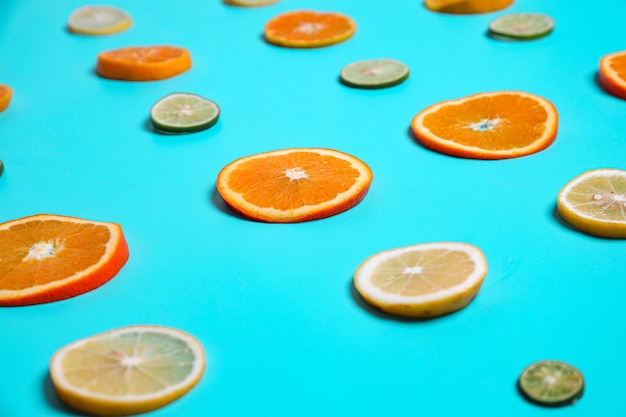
(612, 74)
(496, 125)
(45, 258)
(467, 6)
(309, 29)
(294, 185)
(143, 63)
(6, 93)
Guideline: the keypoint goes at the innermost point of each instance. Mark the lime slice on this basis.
(551, 383)
(184, 112)
(250, 3)
(522, 25)
(374, 73)
(98, 20)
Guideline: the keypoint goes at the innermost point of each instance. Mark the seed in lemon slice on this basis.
(129, 370)
(98, 20)
(522, 25)
(424, 280)
(184, 112)
(374, 73)
(551, 383)
(595, 202)
(250, 3)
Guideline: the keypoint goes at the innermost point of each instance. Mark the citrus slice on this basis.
(294, 185)
(143, 63)
(424, 280)
(374, 73)
(551, 383)
(522, 25)
(309, 29)
(6, 93)
(184, 112)
(612, 73)
(467, 6)
(98, 20)
(595, 202)
(250, 3)
(129, 370)
(496, 125)
(48, 258)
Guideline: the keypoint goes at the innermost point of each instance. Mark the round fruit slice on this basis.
(421, 281)
(551, 383)
(496, 125)
(184, 112)
(595, 202)
(6, 93)
(98, 20)
(309, 29)
(129, 370)
(147, 63)
(250, 3)
(522, 25)
(612, 73)
(49, 258)
(374, 73)
(467, 6)
(294, 185)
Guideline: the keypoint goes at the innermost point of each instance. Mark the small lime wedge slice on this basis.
(551, 383)
(374, 73)
(250, 3)
(522, 25)
(98, 20)
(184, 112)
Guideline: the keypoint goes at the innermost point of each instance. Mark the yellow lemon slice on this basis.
(425, 280)
(128, 370)
(98, 20)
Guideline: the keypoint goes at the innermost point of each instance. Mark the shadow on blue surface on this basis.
(53, 399)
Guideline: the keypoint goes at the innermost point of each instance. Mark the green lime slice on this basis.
(374, 73)
(551, 383)
(522, 25)
(184, 112)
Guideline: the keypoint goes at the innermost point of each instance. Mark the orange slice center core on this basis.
(44, 249)
(310, 28)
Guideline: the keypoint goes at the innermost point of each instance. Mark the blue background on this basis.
(274, 305)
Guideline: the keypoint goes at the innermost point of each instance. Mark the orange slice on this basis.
(309, 29)
(467, 6)
(149, 63)
(497, 125)
(294, 185)
(45, 258)
(612, 74)
(6, 93)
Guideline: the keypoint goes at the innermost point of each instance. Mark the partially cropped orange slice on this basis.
(294, 185)
(139, 63)
(45, 258)
(6, 93)
(612, 74)
(496, 125)
(467, 6)
(309, 29)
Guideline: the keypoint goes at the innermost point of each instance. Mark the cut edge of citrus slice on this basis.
(6, 93)
(123, 64)
(609, 79)
(574, 391)
(466, 6)
(119, 20)
(250, 3)
(522, 26)
(374, 73)
(160, 122)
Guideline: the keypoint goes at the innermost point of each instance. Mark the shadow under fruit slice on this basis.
(45, 258)
(143, 63)
(294, 185)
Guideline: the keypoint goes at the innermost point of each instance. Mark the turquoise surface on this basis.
(274, 305)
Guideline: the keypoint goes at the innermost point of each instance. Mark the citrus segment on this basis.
(294, 185)
(129, 370)
(551, 383)
(595, 203)
(98, 20)
(424, 280)
(612, 73)
(522, 25)
(309, 29)
(250, 3)
(374, 73)
(148, 63)
(45, 258)
(496, 125)
(6, 93)
(467, 6)
(184, 112)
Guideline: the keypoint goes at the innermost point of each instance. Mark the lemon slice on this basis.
(374, 73)
(425, 280)
(595, 202)
(551, 383)
(98, 20)
(522, 25)
(250, 3)
(184, 112)
(128, 370)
